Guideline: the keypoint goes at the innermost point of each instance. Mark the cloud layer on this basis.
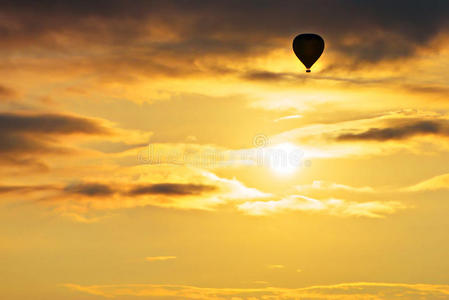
(28, 136)
(171, 38)
(345, 291)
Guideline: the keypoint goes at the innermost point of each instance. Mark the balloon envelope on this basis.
(308, 47)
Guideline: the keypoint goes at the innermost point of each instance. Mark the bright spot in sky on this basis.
(284, 159)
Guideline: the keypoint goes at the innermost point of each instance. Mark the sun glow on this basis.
(284, 159)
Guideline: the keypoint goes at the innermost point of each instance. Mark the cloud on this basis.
(159, 258)
(288, 118)
(185, 188)
(165, 186)
(337, 207)
(439, 182)
(343, 291)
(172, 189)
(83, 201)
(295, 78)
(417, 131)
(175, 187)
(172, 38)
(276, 266)
(26, 135)
(90, 189)
(48, 124)
(396, 133)
(135, 190)
(326, 185)
(321, 189)
(270, 76)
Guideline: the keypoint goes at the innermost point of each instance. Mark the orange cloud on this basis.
(344, 291)
(92, 200)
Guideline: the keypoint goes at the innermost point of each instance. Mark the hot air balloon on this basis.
(308, 47)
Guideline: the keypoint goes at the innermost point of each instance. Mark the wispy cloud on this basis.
(337, 207)
(344, 291)
(326, 185)
(439, 182)
(159, 258)
(288, 118)
(25, 189)
(276, 266)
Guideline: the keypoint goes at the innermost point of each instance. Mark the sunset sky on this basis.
(179, 150)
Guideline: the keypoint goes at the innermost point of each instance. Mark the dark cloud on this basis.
(14, 143)
(23, 136)
(397, 133)
(95, 189)
(263, 76)
(168, 37)
(174, 189)
(90, 189)
(48, 124)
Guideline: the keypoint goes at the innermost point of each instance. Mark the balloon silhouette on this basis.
(308, 47)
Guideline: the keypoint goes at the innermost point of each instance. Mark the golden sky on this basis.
(178, 150)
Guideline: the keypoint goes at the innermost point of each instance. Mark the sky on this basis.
(179, 150)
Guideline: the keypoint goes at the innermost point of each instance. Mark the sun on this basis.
(283, 159)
